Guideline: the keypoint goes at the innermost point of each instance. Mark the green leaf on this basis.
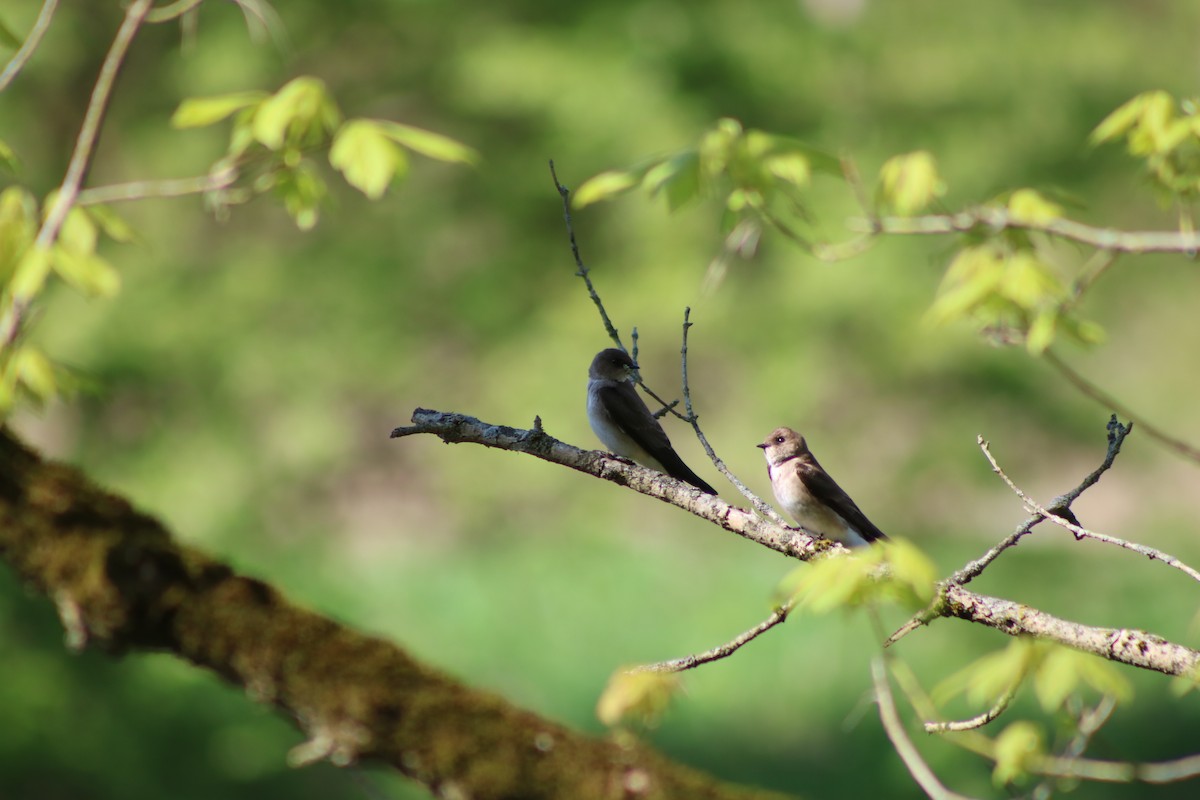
(35, 373)
(1029, 207)
(429, 144)
(368, 158)
(972, 277)
(8, 158)
(912, 570)
(299, 113)
(793, 168)
(1028, 282)
(678, 177)
(114, 226)
(1017, 748)
(910, 182)
(78, 233)
(1062, 670)
(8, 38)
(1121, 120)
(302, 191)
(640, 695)
(1150, 135)
(30, 274)
(1083, 331)
(87, 272)
(1041, 331)
(829, 583)
(18, 226)
(987, 678)
(197, 112)
(606, 185)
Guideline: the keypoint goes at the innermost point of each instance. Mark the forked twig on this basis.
(1081, 532)
(721, 651)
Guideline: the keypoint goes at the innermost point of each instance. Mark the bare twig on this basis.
(1060, 505)
(1084, 533)
(722, 651)
(997, 219)
(581, 269)
(175, 187)
(907, 751)
(979, 721)
(759, 504)
(583, 272)
(22, 56)
(1108, 401)
(173, 11)
(77, 168)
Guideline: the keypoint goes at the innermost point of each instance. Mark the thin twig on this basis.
(997, 219)
(759, 504)
(904, 747)
(77, 169)
(172, 11)
(22, 56)
(980, 720)
(173, 187)
(581, 269)
(1084, 533)
(1060, 505)
(722, 651)
(583, 272)
(1108, 401)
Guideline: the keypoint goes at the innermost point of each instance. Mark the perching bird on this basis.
(805, 490)
(624, 424)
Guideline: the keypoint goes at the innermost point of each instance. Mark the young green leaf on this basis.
(368, 158)
(197, 112)
(8, 38)
(643, 696)
(87, 272)
(30, 274)
(1017, 747)
(299, 112)
(910, 182)
(606, 185)
(1030, 207)
(429, 144)
(35, 374)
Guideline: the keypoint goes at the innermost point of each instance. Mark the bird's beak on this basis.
(762, 446)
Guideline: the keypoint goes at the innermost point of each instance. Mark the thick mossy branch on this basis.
(123, 584)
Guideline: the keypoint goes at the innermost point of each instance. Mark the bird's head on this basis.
(612, 364)
(781, 444)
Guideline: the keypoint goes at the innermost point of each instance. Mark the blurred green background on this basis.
(246, 378)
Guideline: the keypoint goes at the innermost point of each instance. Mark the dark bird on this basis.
(624, 424)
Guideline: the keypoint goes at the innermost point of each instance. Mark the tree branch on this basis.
(996, 219)
(907, 751)
(126, 585)
(1083, 533)
(1127, 646)
(722, 651)
(22, 56)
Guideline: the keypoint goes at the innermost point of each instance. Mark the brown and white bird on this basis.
(810, 496)
(621, 420)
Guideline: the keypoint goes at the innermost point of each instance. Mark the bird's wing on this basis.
(629, 412)
(825, 488)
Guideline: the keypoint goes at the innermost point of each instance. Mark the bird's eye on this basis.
(778, 440)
